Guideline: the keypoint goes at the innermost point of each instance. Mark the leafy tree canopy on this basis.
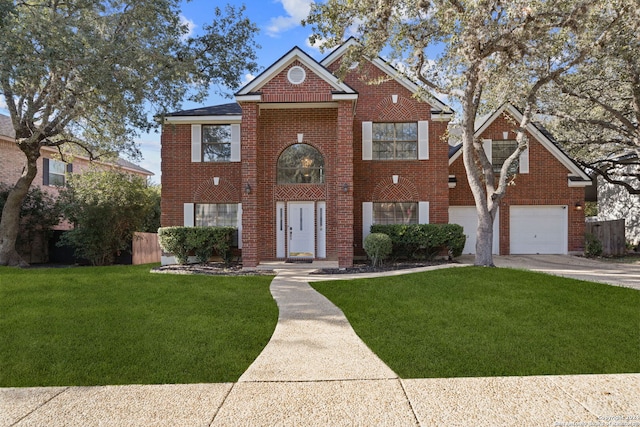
(93, 73)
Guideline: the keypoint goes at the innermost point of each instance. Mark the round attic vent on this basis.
(296, 75)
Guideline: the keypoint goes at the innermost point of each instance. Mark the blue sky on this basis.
(280, 30)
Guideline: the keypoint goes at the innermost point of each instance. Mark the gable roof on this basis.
(250, 92)
(437, 106)
(542, 135)
(6, 127)
(231, 109)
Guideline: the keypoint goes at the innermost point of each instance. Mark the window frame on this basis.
(395, 142)
(204, 144)
(515, 166)
(413, 219)
(233, 216)
(299, 170)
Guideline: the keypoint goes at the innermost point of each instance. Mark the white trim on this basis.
(203, 119)
(367, 140)
(293, 55)
(367, 219)
(423, 212)
(487, 146)
(249, 98)
(524, 161)
(235, 143)
(578, 183)
(189, 214)
(281, 230)
(423, 140)
(239, 226)
(196, 143)
(295, 69)
(321, 232)
(344, 97)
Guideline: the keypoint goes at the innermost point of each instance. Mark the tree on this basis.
(85, 74)
(106, 207)
(38, 213)
(595, 109)
(492, 52)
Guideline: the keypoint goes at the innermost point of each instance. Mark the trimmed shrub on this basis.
(203, 242)
(592, 246)
(423, 241)
(378, 247)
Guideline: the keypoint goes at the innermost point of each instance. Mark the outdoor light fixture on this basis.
(247, 188)
(345, 188)
(578, 206)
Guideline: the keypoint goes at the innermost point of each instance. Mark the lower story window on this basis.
(395, 213)
(216, 215)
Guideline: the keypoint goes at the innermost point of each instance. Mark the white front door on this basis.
(301, 228)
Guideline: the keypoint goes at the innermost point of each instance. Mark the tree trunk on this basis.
(10, 222)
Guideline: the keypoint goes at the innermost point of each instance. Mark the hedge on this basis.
(203, 242)
(423, 241)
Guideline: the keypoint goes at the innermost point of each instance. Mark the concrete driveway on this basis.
(627, 275)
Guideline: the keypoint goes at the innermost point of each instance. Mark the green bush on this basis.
(203, 242)
(423, 241)
(378, 247)
(592, 246)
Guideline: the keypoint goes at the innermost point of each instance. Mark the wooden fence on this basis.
(145, 248)
(610, 234)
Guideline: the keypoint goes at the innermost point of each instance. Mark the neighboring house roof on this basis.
(341, 90)
(231, 109)
(6, 130)
(577, 177)
(437, 106)
(6, 127)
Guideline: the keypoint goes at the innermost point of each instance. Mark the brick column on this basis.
(249, 155)
(344, 178)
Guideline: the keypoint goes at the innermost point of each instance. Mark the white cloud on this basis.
(297, 10)
(190, 26)
(3, 103)
(247, 78)
(318, 44)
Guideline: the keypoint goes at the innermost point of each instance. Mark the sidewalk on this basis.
(316, 371)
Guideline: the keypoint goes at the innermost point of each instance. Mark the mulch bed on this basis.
(390, 266)
(212, 269)
(235, 269)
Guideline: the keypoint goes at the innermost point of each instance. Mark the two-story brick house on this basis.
(303, 163)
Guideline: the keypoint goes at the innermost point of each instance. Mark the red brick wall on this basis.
(426, 179)
(545, 184)
(187, 182)
(280, 89)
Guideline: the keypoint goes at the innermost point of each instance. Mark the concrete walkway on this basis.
(315, 371)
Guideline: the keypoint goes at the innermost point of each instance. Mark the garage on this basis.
(538, 229)
(467, 217)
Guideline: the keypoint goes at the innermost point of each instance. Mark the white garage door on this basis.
(538, 229)
(467, 217)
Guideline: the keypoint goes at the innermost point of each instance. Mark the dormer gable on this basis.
(297, 74)
(439, 110)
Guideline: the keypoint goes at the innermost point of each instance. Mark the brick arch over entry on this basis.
(224, 191)
(402, 111)
(387, 191)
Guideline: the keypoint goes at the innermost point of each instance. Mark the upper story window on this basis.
(301, 164)
(500, 151)
(54, 172)
(216, 143)
(395, 141)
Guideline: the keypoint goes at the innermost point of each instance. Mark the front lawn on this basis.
(474, 321)
(125, 325)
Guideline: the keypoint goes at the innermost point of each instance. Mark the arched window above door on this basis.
(301, 164)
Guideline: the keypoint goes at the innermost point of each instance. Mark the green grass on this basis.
(124, 325)
(474, 321)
